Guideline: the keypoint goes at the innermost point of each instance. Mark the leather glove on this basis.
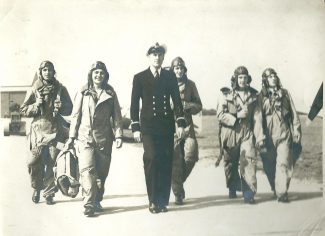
(119, 142)
(39, 101)
(296, 138)
(69, 144)
(242, 113)
(137, 136)
(217, 163)
(261, 147)
(180, 133)
(57, 104)
(186, 106)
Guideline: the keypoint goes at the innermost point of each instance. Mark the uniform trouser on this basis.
(157, 159)
(40, 168)
(184, 159)
(278, 166)
(244, 156)
(94, 166)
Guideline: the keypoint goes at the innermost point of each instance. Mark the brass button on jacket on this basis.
(157, 117)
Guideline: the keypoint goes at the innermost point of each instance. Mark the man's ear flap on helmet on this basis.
(233, 81)
(249, 79)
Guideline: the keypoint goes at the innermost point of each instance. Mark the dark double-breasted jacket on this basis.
(157, 116)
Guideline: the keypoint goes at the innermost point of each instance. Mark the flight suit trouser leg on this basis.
(191, 155)
(36, 168)
(103, 162)
(49, 156)
(40, 168)
(269, 163)
(88, 174)
(248, 162)
(284, 168)
(185, 157)
(189, 165)
(231, 161)
(178, 170)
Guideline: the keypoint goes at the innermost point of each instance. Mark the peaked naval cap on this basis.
(160, 49)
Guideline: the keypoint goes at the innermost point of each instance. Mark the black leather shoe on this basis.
(36, 196)
(153, 208)
(89, 211)
(49, 201)
(178, 200)
(163, 209)
(98, 207)
(232, 194)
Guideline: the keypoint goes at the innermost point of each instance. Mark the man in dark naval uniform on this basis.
(155, 86)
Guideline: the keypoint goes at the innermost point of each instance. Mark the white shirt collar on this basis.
(153, 70)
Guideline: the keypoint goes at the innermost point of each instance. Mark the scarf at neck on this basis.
(181, 83)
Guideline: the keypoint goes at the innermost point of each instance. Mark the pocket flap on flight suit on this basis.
(232, 108)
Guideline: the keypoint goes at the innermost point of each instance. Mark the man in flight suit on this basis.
(45, 102)
(240, 116)
(282, 129)
(186, 151)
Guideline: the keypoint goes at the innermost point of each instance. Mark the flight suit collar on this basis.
(103, 97)
(275, 93)
(250, 94)
(40, 84)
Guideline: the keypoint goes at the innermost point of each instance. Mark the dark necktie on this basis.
(156, 76)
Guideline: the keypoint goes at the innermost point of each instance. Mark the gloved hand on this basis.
(217, 163)
(57, 104)
(261, 147)
(137, 136)
(186, 106)
(242, 113)
(296, 138)
(39, 101)
(69, 144)
(119, 142)
(180, 132)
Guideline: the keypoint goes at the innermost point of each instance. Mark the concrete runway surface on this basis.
(207, 209)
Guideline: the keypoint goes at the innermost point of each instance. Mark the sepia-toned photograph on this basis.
(161, 117)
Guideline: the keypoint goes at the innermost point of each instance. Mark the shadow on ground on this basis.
(293, 196)
(79, 199)
(121, 209)
(223, 200)
(201, 202)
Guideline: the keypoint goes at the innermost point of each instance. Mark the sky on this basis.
(213, 37)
